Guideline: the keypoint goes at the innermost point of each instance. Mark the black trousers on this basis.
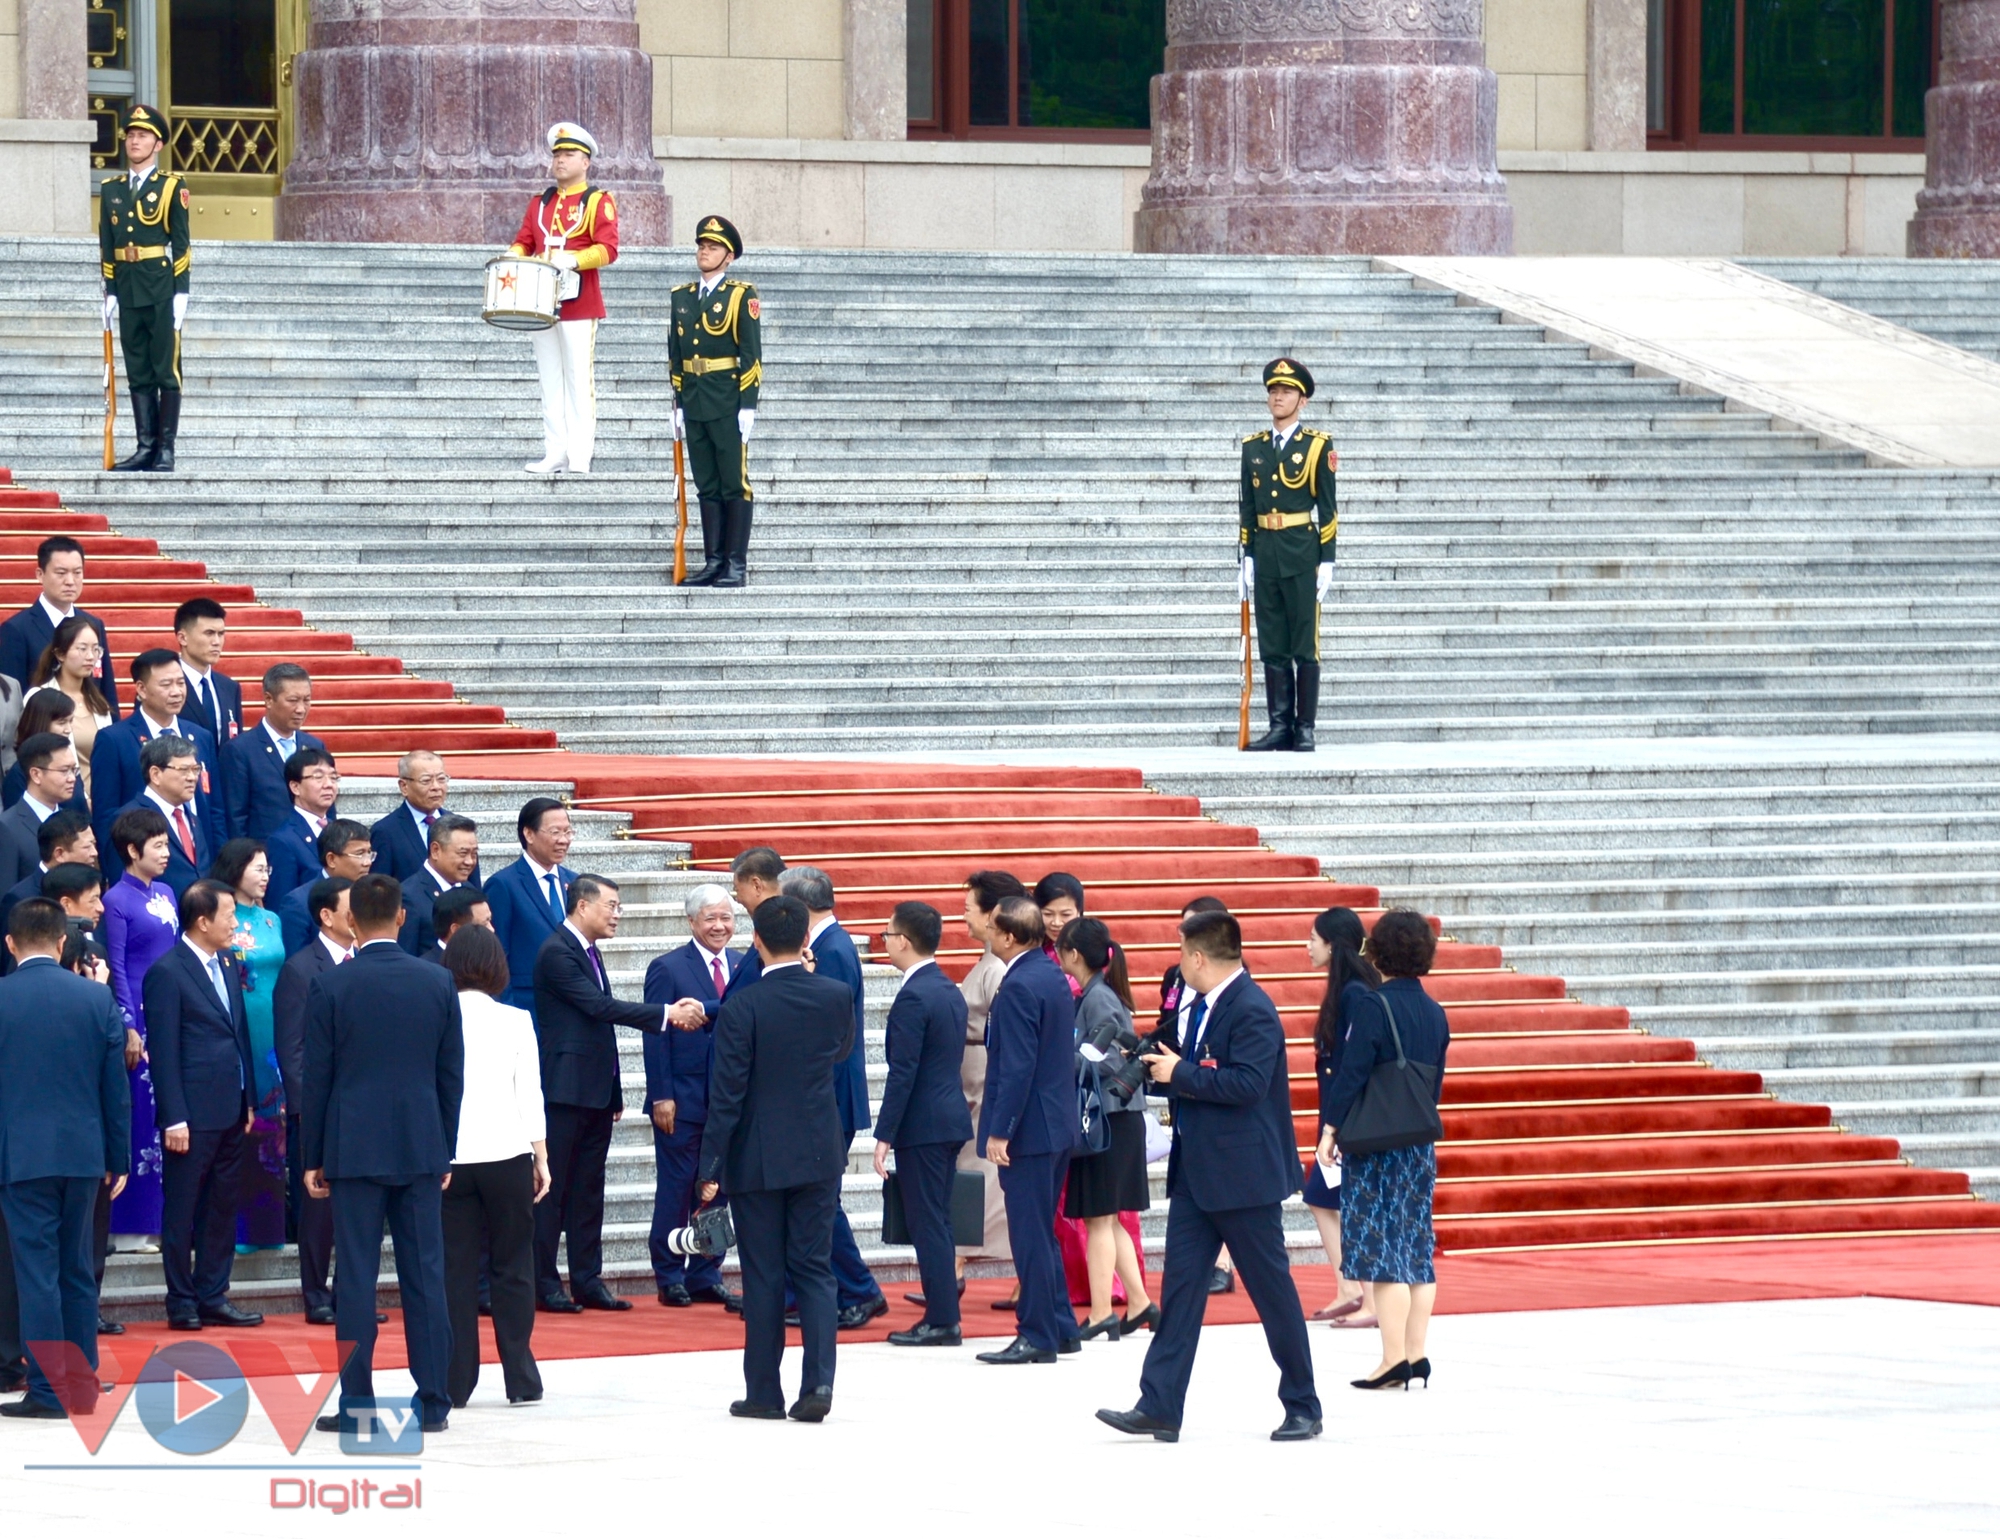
(1032, 1185)
(780, 1234)
(675, 1156)
(13, 1362)
(151, 346)
(312, 1223)
(491, 1204)
(579, 1141)
(413, 1211)
(1256, 1240)
(924, 1173)
(198, 1217)
(100, 1236)
(719, 462)
(49, 1225)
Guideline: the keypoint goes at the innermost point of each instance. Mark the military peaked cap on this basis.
(142, 116)
(1289, 371)
(721, 231)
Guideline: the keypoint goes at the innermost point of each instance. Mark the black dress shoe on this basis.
(715, 1293)
(442, 1424)
(860, 1314)
(1019, 1350)
(1222, 1280)
(1071, 1345)
(918, 1298)
(813, 1404)
(109, 1327)
(927, 1336)
(792, 1318)
(1110, 1326)
(1297, 1429)
(1006, 1304)
(602, 1298)
(327, 1424)
(319, 1314)
(676, 1296)
(524, 1399)
(755, 1412)
(558, 1304)
(227, 1313)
(486, 1308)
(1139, 1424)
(33, 1410)
(183, 1322)
(13, 1383)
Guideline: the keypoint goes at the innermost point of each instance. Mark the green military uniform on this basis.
(142, 237)
(1288, 518)
(715, 357)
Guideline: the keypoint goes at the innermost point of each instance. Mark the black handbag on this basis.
(968, 1209)
(1397, 1108)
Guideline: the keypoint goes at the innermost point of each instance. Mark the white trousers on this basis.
(566, 357)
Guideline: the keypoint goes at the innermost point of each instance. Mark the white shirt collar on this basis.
(277, 740)
(168, 728)
(581, 939)
(1216, 993)
(54, 614)
(820, 929)
(195, 674)
(1008, 966)
(200, 955)
(780, 966)
(313, 821)
(43, 812)
(166, 806)
(444, 883)
(542, 872)
(707, 284)
(926, 962)
(335, 949)
(708, 957)
(417, 813)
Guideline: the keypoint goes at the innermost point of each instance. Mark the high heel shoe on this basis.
(1421, 1369)
(1146, 1319)
(1397, 1377)
(1110, 1326)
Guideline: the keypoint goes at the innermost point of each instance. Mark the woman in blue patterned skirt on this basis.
(1385, 1213)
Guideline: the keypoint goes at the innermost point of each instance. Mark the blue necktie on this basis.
(555, 897)
(1196, 1016)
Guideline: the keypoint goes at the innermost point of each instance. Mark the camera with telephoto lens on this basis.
(80, 945)
(707, 1233)
(1115, 1050)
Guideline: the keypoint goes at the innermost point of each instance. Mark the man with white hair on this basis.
(693, 981)
(574, 226)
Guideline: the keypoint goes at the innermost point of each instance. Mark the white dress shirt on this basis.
(500, 1115)
(335, 949)
(278, 739)
(1191, 1048)
(56, 616)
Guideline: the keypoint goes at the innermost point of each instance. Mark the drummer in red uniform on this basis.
(575, 226)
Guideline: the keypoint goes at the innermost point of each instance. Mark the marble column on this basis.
(1958, 210)
(426, 120)
(1325, 126)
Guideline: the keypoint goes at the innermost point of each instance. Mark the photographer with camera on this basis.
(1109, 1179)
(80, 891)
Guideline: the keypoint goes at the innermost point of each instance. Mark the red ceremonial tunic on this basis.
(584, 221)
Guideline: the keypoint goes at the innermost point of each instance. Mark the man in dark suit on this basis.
(49, 760)
(384, 1070)
(201, 626)
(173, 780)
(1027, 1125)
(696, 975)
(924, 1119)
(774, 1139)
(331, 945)
(62, 839)
(255, 797)
(464, 905)
(26, 635)
(834, 956)
(344, 851)
(116, 777)
(530, 896)
(65, 1103)
(575, 1017)
(313, 781)
(1235, 1160)
(453, 861)
(205, 1094)
(402, 839)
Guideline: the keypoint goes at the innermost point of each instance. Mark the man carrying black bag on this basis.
(1234, 1162)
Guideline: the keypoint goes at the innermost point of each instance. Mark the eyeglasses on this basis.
(427, 781)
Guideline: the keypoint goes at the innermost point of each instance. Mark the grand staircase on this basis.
(1956, 302)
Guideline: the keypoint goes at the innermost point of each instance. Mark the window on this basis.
(1065, 69)
(1789, 74)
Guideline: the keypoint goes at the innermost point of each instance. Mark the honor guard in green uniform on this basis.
(142, 235)
(1288, 518)
(715, 355)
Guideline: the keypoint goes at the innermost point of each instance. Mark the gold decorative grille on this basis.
(230, 140)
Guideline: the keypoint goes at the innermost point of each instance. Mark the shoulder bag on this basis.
(1397, 1108)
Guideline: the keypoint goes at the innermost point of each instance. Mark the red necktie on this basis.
(715, 970)
(187, 835)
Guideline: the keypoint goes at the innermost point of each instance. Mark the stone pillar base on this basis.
(1385, 226)
(429, 212)
(1958, 211)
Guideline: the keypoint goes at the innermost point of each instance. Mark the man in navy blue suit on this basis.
(1027, 1125)
(26, 635)
(344, 851)
(924, 1119)
(453, 861)
(384, 1070)
(201, 626)
(255, 798)
(529, 898)
(204, 1097)
(1235, 1160)
(693, 980)
(313, 781)
(160, 690)
(66, 1104)
(402, 839)
(834, 956)
(173, 779)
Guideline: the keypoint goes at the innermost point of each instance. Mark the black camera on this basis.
(708, 1233)
(1115, 1051)
(80, 945)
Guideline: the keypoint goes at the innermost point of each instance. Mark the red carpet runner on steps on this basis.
(1565, 1126)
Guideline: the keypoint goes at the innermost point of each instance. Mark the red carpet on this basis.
(1564, 1126)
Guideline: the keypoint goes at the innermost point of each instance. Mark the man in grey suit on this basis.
(49, 761)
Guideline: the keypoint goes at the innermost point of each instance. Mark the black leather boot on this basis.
(713, 548)
(1278, 702)
(146, 429)
(170, 425)
(736, 564)
(1307, 710)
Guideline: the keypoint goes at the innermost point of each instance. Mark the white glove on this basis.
(566, 260)
(110, 311)
(180, 310)
(746, 419)
(1246, 579)
(680, 426)
(1325, 578)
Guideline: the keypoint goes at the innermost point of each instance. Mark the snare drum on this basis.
(521, 294)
